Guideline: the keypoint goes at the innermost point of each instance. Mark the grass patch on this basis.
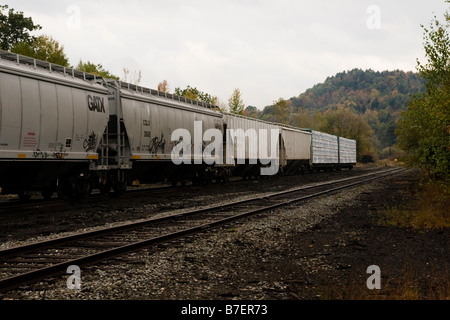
(430, 210)
(408, 285)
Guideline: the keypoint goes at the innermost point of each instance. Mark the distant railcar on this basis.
(324, 149)
(347, 153)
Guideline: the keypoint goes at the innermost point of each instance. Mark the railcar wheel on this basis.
(64, 189)
(118, 188)
(24, 196)
(83, 189)
(47, 193)
(74, 188)
(105, 189)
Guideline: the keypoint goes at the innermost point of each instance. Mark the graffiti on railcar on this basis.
(61, 154)
(90, 143)
(157, 143)
(38, 154)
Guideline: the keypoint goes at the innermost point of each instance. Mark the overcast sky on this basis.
(267, 49)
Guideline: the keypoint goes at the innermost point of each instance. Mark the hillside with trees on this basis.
(373, 100)
(361, 91)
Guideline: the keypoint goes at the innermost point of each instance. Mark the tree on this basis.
(164, 86)
(223, 106)
(131, 77)
(303, 119)
(424, 129)
(95, 69)
(195, 94)
(43, 48)
(280, 111)
(190, 93)
(345, 123)
(235, 103)
(15, 28)
(252, 112)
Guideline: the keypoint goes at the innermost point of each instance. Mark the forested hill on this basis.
(362, 90)
(372, 100)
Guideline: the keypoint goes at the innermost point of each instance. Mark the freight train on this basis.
(67, 131)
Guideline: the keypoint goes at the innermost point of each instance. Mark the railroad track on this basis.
(14, 205)
(29, 263)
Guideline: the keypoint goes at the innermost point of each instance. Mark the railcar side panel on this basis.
(31, 108)
(347, 151)
(297, 144)
(49, 117)
(10, 114)
(151, 122)
(64, 111)
(80, 121)
(248, 130)
(325, 148)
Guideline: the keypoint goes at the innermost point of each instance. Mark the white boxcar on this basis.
(325, 149)
(347, 151)
(243, 130)
(48, 112)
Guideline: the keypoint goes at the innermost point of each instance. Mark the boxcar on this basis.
(325, 150)
(347, 152)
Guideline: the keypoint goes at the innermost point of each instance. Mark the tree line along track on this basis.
(29, 263)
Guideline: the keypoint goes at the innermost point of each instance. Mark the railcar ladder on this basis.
(114, 135)
(121, 141)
